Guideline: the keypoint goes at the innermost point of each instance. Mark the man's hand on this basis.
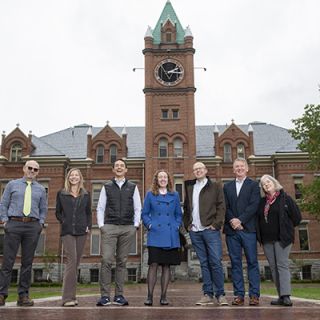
(236, 224)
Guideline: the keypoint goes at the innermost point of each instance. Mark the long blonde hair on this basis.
(67, 184)
(155, 185)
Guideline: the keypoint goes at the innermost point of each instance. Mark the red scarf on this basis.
(269, 201)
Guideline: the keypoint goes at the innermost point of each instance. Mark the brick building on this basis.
(169, 140)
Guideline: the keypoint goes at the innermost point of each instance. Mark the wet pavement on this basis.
(182, 298)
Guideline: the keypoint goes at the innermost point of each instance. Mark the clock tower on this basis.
(169, 99)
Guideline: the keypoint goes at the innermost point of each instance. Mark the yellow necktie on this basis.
(27, 200)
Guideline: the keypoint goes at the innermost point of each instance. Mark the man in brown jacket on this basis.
(204, 211)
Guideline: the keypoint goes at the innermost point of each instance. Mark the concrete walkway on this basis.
(182, 298)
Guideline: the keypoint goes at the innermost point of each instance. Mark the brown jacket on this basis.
(211, 206)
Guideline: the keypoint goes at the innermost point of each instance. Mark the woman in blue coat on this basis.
(162, 217)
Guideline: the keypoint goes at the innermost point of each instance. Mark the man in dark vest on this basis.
(118, 217)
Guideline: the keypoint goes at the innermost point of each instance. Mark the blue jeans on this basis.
(235, 243)
(208, 246)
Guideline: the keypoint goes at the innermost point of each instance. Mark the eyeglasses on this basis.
(33, 169)
(200, 168)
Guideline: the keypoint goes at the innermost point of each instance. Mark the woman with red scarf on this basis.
(278, 214)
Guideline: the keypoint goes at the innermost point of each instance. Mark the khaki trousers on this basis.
(73, 248)
(115, 244)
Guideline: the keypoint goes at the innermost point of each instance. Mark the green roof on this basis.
(168, 13)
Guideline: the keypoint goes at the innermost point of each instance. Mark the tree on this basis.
(307, 132)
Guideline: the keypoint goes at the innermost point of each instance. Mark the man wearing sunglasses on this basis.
(23, 209)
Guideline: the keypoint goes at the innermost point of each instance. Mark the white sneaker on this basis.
(222, 301)
(205, 300)
(69, 304)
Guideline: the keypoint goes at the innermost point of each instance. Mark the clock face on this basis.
(169, 72)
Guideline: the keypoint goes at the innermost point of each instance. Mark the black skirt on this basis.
(163, 256)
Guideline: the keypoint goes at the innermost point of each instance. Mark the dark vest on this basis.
(119, 208)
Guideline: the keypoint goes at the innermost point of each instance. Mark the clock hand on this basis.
(175, 70)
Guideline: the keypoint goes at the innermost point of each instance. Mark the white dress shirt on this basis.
(101, 207)
(239, 184)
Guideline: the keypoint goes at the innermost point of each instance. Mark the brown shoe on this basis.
(254, 301)
(2, 300)
(25, 301)
(238, 301)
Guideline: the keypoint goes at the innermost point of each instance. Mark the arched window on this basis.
(113, 153)
(177, 148)
(227, 153)
(16, 152)
(240, 151)
(163, 148)
(100, 153)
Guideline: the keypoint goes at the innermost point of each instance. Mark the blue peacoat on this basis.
(162, 216)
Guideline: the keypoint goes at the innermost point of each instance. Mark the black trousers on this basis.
(27, 235)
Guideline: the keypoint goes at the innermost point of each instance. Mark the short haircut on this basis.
(125, 163)
(241, 160)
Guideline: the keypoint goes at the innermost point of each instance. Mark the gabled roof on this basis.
(168, 13)
(72, 142)
(267, 138)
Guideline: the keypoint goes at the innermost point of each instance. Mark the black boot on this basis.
(287, 301)
(277, 302)
(149, 301)
(164, 301)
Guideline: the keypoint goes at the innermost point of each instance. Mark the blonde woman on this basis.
(73, 211)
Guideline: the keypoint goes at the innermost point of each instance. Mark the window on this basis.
(178, 186)
(1, 241)
(100, 154)
(94, 275)
(113, 153)
(306, 272)
(14, 276)
(133, 246)
(2, 187)
(177, 148)
(227, 153)
(297, 187)
(229, 273)
(96, 189)
(164, 113)
(267, 273)
(95, 242)
(303, 236)
(37, 275)
(45, 184)
(16, 152)
(132, 274)
(41, 245)
(168, 36)
(163, 148)
(241, 151)
(175, 114)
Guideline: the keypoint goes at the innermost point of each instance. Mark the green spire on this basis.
(168, 13)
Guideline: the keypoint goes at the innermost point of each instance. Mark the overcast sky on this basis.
(67, 62)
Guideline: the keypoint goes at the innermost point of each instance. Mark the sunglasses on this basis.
(33, 169)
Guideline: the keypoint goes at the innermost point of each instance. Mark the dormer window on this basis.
(168, 36)
(113, 153)
(241, 151)
(16, 152)
(100, 154)
(227, 153)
